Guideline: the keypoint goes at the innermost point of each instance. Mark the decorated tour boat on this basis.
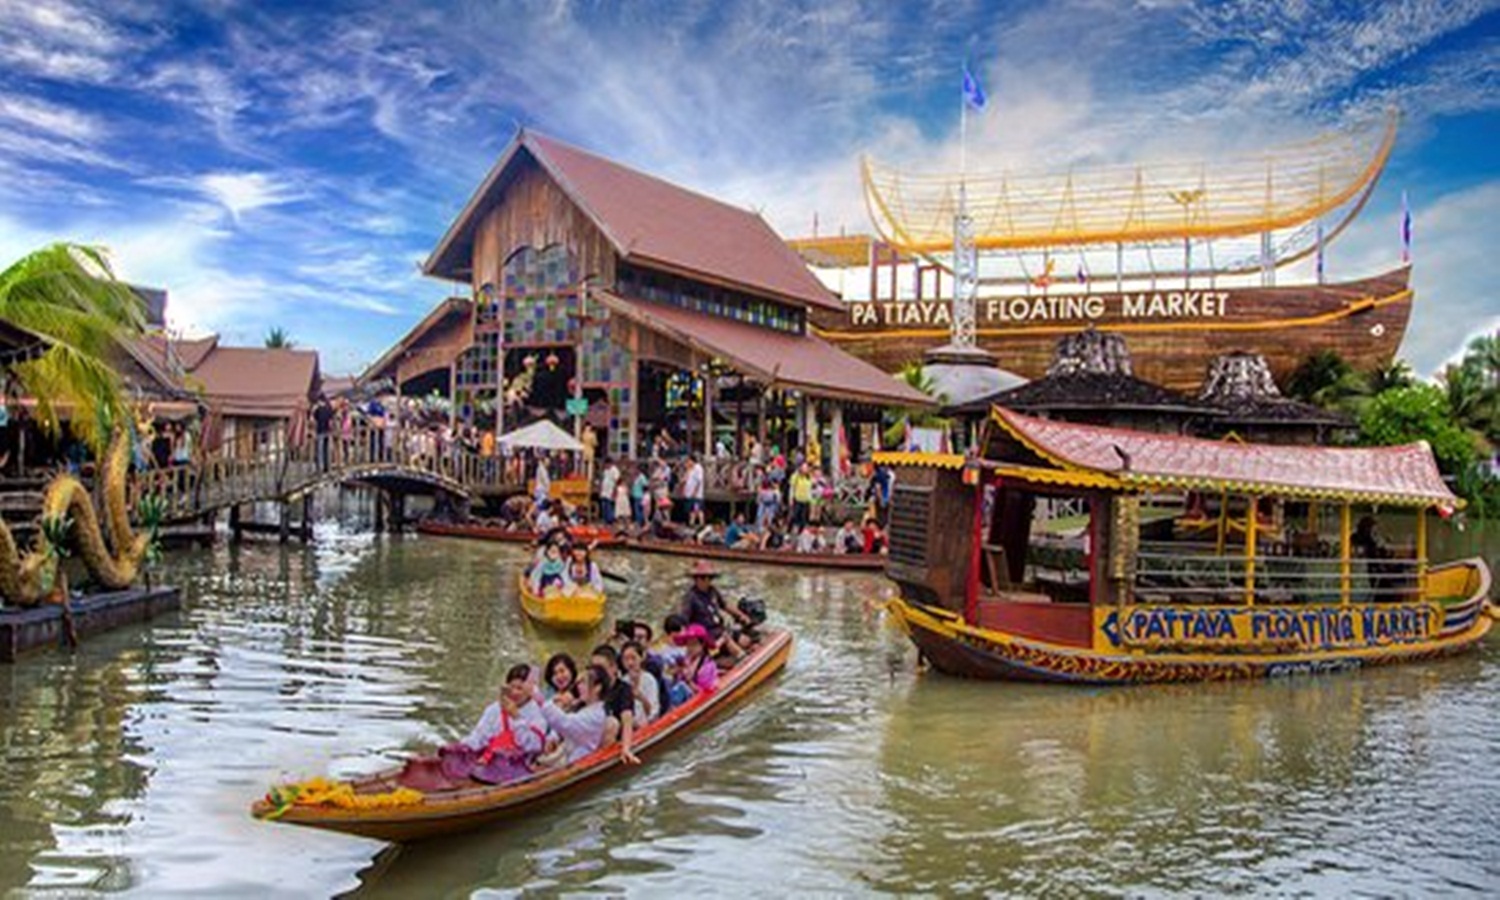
(1074, 553)
(490, 531)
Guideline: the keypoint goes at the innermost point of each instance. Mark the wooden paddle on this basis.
(611, 576)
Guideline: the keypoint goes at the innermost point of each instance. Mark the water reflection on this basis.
(129, 765)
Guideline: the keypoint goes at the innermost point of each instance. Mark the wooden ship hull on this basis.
(1363, 321)
(846, 561)
(450, 810)
(1020, 650)
(582, 611)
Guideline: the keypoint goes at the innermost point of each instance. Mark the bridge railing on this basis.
(277, 470)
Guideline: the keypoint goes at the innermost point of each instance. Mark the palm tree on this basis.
(1395, 374)
(68, 295)
(279, 339)
(916, 379)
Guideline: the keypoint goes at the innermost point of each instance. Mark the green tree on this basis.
(1419, 412)
(1325, 379)
(913, 376)
(68, 295)
(279, 339)
(1395, 374)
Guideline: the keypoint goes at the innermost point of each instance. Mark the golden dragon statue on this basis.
(69, 521)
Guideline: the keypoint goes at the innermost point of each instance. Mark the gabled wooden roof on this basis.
(648, 221)
(1406, 475)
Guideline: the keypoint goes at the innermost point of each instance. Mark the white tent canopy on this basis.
(543, 435)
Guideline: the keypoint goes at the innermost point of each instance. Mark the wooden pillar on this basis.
(284, 521)
(380, 501)
(235, 530)
(1252, 521)
(708, 412)
(810, 427)
(307, 513)
(634, 420)
(1345, 568)
(1422, 553)
(836, 443)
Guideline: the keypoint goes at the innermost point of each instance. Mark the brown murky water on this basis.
(128, 766)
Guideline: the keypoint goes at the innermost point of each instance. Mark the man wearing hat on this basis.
(703, 605)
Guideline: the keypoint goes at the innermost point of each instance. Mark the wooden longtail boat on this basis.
(581, 611)
(453, 810)
(983, 595)
(853, 561)
(601, 537)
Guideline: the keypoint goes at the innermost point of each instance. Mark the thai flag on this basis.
(973, 93)
(1405, 229)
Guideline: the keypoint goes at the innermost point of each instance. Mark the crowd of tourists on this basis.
(794, 501)
(562, 711)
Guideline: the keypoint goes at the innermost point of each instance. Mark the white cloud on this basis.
(60, 40)
(51, 118)
(238, 192)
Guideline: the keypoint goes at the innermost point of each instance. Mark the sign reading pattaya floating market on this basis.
(1080, 308)
(1298, 627)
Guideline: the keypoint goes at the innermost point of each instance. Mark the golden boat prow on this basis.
(1090, 555)
(476, 805)
(579, 611)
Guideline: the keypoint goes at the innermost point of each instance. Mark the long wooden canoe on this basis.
(602, 537)
(581, 611)
(854, 561)
(474, 805)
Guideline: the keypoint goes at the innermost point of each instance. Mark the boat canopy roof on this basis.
(1405, 475)
(1235, 196)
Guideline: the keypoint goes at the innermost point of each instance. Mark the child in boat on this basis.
(809, 540)
(510, 735)
(550, 573)
(581, 723)
(619, 702)
(643, 684)
(582, 573)
(848, 539)
(698, 673)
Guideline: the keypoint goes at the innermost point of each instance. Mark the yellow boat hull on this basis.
(956, 647)
(581, 611)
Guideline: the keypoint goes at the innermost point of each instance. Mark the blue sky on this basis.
(282, 164)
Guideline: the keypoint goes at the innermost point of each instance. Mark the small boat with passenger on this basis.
(415, 801)
(1262, 575)
(580, 610)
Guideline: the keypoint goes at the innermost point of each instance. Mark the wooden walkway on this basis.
(397, 460)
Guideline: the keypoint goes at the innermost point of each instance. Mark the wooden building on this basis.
(648, 305)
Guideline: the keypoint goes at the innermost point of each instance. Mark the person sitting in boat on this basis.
(510, 735)
(582, 573)
(775, 537)
(581, 722)
(1369, 544)
(546, 518)
(561, 676)
(697, 673)
(551, 573)
(848, 539)
(643, 682)
(704, 606)
(709, 535)
(619, 702)
(809, 540)
(874, 535)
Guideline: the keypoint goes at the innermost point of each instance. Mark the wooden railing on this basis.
(278, 470)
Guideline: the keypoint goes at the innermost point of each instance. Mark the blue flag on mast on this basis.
(1405, 229)
(973, 93)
